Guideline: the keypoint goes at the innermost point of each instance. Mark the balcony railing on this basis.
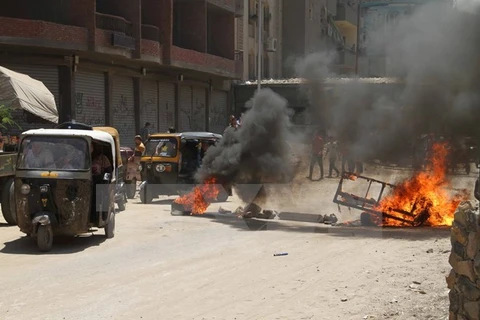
(150, 32)
(114, 23)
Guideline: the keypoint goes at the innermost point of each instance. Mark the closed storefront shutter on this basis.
(166, 112)
(199, 103)
(90, 98)
(46, 74)
(218, 113)
(123, 109)
(185, 109)
(149, 107)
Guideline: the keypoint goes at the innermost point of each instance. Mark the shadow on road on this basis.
(61, 245)
(4, 225)
(309, 225)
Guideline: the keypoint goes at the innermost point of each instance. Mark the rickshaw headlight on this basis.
(25, 189)
(160, 167)
(140, 167)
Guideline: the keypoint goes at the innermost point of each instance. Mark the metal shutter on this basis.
(218, 117)
(46, 74)
(185, 109)
(123, 109)
(90, 98)
(199, 103)
(166, 112)
(149, 107)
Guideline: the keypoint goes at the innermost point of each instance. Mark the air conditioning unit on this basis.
(272, 44)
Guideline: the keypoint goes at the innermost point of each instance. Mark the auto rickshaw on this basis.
(170, 162)
(61, 188)
(121, 190)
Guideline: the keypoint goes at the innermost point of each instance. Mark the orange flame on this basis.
(200, 198)
(425, 194)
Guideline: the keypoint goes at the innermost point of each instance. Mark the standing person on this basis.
(232, 124)
(139, 148)
(316, 154)
(171, 130)
(145, 132)
(332, 153)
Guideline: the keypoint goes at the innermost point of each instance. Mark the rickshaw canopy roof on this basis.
(95, 135)
(116, 136)
(188, 135)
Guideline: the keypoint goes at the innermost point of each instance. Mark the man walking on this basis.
(145, 132)
(332, 153)
(316, 154)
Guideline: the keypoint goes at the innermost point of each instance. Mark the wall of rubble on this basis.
(464, 278)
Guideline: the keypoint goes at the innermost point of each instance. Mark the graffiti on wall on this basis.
(170, 114)
(199, 116)
(149, 111)
(86, 110)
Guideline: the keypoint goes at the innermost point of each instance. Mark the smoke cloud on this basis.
(434, 52)
(256, 153)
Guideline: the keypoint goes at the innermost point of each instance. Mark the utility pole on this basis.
(357, 47)
(260, 44)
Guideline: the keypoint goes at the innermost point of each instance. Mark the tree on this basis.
(7, 118)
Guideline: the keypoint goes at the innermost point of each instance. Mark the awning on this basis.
(20, 91)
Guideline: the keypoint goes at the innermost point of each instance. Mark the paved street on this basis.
(217, 267)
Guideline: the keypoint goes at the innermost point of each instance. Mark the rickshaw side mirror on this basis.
(106, 177)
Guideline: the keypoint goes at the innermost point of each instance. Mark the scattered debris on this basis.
(328, 219)
(280, 254)
(221, 210)
(416, 282)
(445, 251)
(430, 251)
(344, 300)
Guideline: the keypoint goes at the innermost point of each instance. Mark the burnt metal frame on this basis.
(368, 205)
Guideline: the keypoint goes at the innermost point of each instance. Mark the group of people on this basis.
(331, 151)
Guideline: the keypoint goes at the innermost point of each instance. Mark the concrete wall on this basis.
(464, 278)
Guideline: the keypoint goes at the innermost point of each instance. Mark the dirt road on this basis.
(217, 267)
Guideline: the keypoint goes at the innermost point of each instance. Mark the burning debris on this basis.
(423, 199)
(246, 157)
(197, 201)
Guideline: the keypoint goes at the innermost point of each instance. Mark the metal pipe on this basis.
(260, 47)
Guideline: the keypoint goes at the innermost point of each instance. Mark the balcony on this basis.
(346, 14)
(150, 32)
(118, 32)
(239, 64)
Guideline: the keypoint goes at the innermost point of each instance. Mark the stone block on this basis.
(451, 279)
(458, 234)
(452, 316)
(468, 289)
(476, 265)
(459, 250)
(472, 245)
(465, 215)
(465, 268)
(454, 259)
(454, 301)
(472, 310)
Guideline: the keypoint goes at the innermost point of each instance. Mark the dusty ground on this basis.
(219, 267)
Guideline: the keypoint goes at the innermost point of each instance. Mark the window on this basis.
(57, 153)
(161, 147)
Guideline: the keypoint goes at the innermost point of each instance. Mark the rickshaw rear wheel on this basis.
(131, 188)
(8, 203)
(110, 227)
(45, 237)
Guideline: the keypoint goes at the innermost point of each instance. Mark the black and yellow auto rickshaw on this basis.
(170, 161)
(64, 183)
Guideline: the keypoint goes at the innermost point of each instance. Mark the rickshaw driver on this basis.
(100, 163)
(39, 157)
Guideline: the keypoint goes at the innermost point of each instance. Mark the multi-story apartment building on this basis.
(123, 63)
(294, 29)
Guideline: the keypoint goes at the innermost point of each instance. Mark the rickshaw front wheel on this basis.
(146, 195)
(110, 227)
(131, 187)
(45, 237)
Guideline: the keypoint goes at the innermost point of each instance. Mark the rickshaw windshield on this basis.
(58, 153)
(161, 147)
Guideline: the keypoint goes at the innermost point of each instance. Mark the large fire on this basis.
(200, 198)
(425, 196)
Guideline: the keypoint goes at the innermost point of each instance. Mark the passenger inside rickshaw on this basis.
(166, 149)
(191, 155)
(102, 160)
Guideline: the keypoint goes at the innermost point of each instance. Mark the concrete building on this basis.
(294, 29)
(125, 62)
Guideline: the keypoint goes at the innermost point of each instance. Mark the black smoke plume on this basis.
(256, 153)
(433, 55)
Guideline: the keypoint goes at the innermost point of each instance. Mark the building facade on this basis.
(122, 63)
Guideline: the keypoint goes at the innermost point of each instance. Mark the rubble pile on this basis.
(464, 278)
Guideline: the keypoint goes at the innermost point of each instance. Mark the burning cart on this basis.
(369, 203)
